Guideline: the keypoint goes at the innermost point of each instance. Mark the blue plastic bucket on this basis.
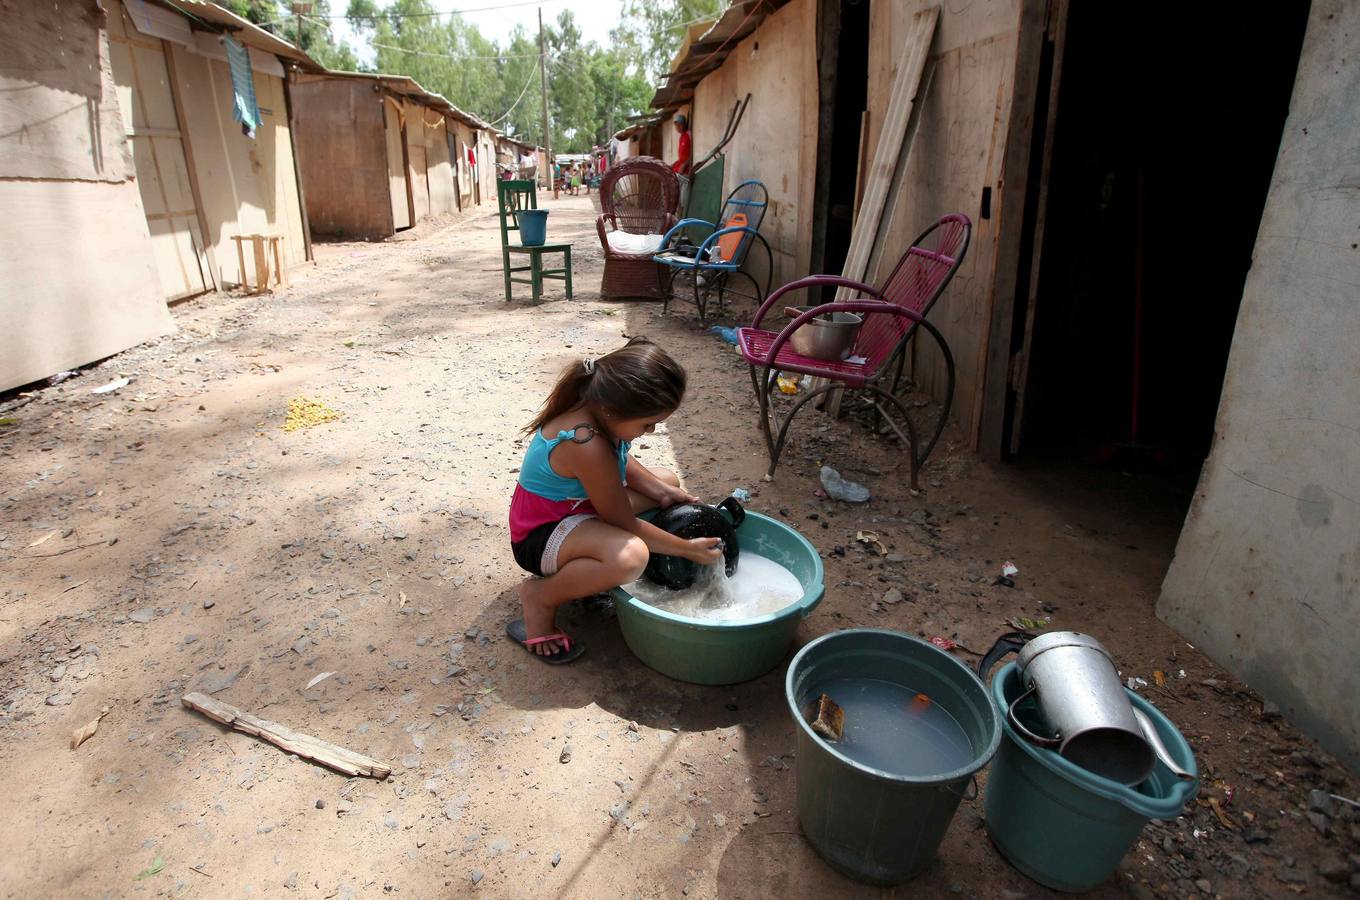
(1061, 825)
(873, 825)
(533, 227)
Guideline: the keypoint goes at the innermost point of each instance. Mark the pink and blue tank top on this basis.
(542, 495)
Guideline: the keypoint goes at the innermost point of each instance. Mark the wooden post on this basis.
(1009, 209)
(543, 82)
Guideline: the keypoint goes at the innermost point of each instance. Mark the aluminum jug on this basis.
(1079, 694)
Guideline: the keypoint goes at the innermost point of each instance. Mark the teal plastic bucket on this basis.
(1061, 825)
(533, 227)
(702, 651)
(872, 825)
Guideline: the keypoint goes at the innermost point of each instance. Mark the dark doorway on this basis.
(1166, 135)
(844, 76)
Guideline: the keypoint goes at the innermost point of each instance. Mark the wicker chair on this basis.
(637, 196)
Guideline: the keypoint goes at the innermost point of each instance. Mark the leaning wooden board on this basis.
(304, 745)
(883, 176)
(888, 156)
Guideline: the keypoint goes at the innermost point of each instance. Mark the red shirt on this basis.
(681, 165)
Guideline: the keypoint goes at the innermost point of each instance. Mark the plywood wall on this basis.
(965, 114)
(395, 143)
(462, 139)
(246, 185)
(59, 116)
(438, 170)
(342, 155)
(777, 141)
(486, 165)
(79, 283)
(413, 124)
(77, 280)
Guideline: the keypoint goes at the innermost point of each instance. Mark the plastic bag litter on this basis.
(839, 488)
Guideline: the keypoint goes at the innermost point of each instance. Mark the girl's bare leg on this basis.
(595, 557)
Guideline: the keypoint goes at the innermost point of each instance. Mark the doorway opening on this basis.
(1165, 139)
(844, 75)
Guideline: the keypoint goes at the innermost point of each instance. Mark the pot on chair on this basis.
(695, 520)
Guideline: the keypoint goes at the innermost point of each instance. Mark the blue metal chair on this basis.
(721, 256)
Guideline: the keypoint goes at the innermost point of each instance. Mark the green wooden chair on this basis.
(512, 196)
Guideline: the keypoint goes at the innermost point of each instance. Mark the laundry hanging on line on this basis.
(244, 109)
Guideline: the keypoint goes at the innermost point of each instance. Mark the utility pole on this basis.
(299, 9)
(543, 80)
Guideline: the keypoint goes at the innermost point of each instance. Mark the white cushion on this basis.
(624, 242)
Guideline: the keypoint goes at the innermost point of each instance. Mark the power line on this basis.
(435, 15)
(524, 91)
(452, 55)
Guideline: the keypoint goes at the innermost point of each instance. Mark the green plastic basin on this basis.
(701, 651)
(1061, 825)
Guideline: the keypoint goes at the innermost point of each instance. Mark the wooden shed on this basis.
(379, 153)
(130, 197)
(1115, 164)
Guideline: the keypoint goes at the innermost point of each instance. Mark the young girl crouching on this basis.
(573, 517)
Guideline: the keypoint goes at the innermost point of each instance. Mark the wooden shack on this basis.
(130, 197)
(379, 153)
(1115, 165)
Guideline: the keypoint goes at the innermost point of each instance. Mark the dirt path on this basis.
(171, 537)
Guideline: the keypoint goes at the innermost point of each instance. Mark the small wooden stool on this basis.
(262, 253)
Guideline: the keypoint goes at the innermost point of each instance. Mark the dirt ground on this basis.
(170, 536)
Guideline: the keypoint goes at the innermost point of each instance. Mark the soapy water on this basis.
(896, 729)
(759, 587)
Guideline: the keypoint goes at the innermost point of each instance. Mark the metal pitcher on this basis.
(1079, 694)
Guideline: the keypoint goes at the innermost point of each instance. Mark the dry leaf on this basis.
(1160, 677)
(86, 731)
(1223, 818)
(45, 538)
(871, 538)
(317, 680)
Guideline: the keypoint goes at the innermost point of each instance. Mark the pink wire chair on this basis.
(891, 316)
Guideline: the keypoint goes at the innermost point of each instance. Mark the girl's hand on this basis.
(705, 550)
(674, 496)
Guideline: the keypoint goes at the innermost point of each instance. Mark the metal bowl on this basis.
(830, 336)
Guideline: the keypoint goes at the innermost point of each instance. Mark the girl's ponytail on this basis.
(637, 380)
(566, 394)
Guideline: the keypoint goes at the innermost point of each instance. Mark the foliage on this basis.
(653, 29)
(312, 33)
(592, 89)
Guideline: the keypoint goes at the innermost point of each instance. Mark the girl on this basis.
(573, 518)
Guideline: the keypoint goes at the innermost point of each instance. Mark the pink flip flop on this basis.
(571, 649)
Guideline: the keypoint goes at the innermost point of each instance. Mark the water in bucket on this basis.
(760, 586)
(897, 729)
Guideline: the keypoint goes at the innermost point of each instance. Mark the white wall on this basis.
(1266, 577)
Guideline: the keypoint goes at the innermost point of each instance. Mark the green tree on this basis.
(592, 90)
(651, 30)
(312, 33)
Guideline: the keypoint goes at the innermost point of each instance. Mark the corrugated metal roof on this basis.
(641, 123)
(703, 54)
(244, 31)
(409, 87)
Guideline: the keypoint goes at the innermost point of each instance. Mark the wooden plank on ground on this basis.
(304, 745)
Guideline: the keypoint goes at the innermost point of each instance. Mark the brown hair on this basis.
(637, 380)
